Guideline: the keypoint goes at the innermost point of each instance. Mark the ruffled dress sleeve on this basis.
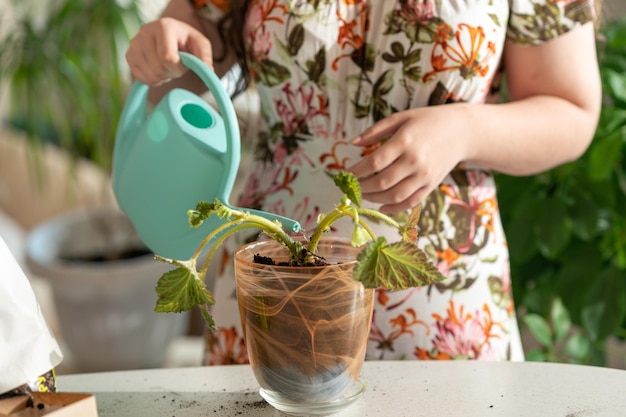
(532, 22)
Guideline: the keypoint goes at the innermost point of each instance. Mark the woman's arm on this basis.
(153, 52)
(555, 97)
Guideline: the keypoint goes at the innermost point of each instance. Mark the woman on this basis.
(401, 94)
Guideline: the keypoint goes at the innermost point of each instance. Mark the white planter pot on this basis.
(105, 309)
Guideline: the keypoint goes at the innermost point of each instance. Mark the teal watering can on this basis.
(182, 153)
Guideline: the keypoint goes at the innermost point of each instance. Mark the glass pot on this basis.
(306, 328)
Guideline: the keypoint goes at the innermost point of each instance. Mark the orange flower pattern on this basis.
(326, 70)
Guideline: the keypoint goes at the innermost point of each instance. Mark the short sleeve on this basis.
(211, 9)
(533, 22)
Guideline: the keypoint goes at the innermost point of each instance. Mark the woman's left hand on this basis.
(422, 146)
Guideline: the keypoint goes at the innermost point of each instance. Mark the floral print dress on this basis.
(325, 70)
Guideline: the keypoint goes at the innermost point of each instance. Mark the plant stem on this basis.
(378, 215)
(322, 227)
(215, 246)
(244, 220)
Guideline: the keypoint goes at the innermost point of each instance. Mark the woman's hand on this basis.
(423, 145)
(554, 91)
(153, 53)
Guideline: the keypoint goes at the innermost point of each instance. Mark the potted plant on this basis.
(305, 301)
(101, 277)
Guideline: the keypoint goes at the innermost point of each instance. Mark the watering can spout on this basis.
(182, 153)
(287, 223)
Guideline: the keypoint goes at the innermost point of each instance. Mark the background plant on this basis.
(63, 60)
(567, 232)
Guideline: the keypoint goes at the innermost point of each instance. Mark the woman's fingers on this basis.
(380, 130)
(153, 54)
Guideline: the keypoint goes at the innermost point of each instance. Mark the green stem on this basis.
(323, 226)
(378, 215)
(367, 229)
(244, 220)
(352, 212)
(215, 246)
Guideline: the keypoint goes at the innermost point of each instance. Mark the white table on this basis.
(394, 389)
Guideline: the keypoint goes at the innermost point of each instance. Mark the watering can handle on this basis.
(229, 116)
(134, 114)
(226, 109)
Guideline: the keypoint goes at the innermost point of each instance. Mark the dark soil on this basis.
(266, 260)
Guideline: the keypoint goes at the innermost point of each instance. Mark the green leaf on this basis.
(361, 110)
(584, 214)
(616, 83)
(349, 185)
(414, 73)
(534, 293)
(535, 355)
(204, 210)
(413, 57)
(572, 282)
(296, 39)
(200, 214)
(561, 322)
(577, 346)
(552, 228)
(365, 57)
(494, 18)
(384, 84)
(181, 289)
(387, 57)
(414, 217)
(539, 328)
(606, 306)
(611, 119)
(604, 155)
(359, 236)
(381, 109)
(522, 242)
(398, 49)
(272, 73)
(317, 65)
(397, 266)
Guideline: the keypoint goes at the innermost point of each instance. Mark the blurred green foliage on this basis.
(567, 232)
(63, 61)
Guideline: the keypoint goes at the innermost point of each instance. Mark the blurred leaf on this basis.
(604, 156)
(560, 320)
(611, 119)
(551, 228)
(539, 328)
(70, 55)
(535, 355)
(584, 215)
(538, 286)
(574, 279)
(519, 229)
(606, 305)
(613, 242)
(577, 346)
(617, 84)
